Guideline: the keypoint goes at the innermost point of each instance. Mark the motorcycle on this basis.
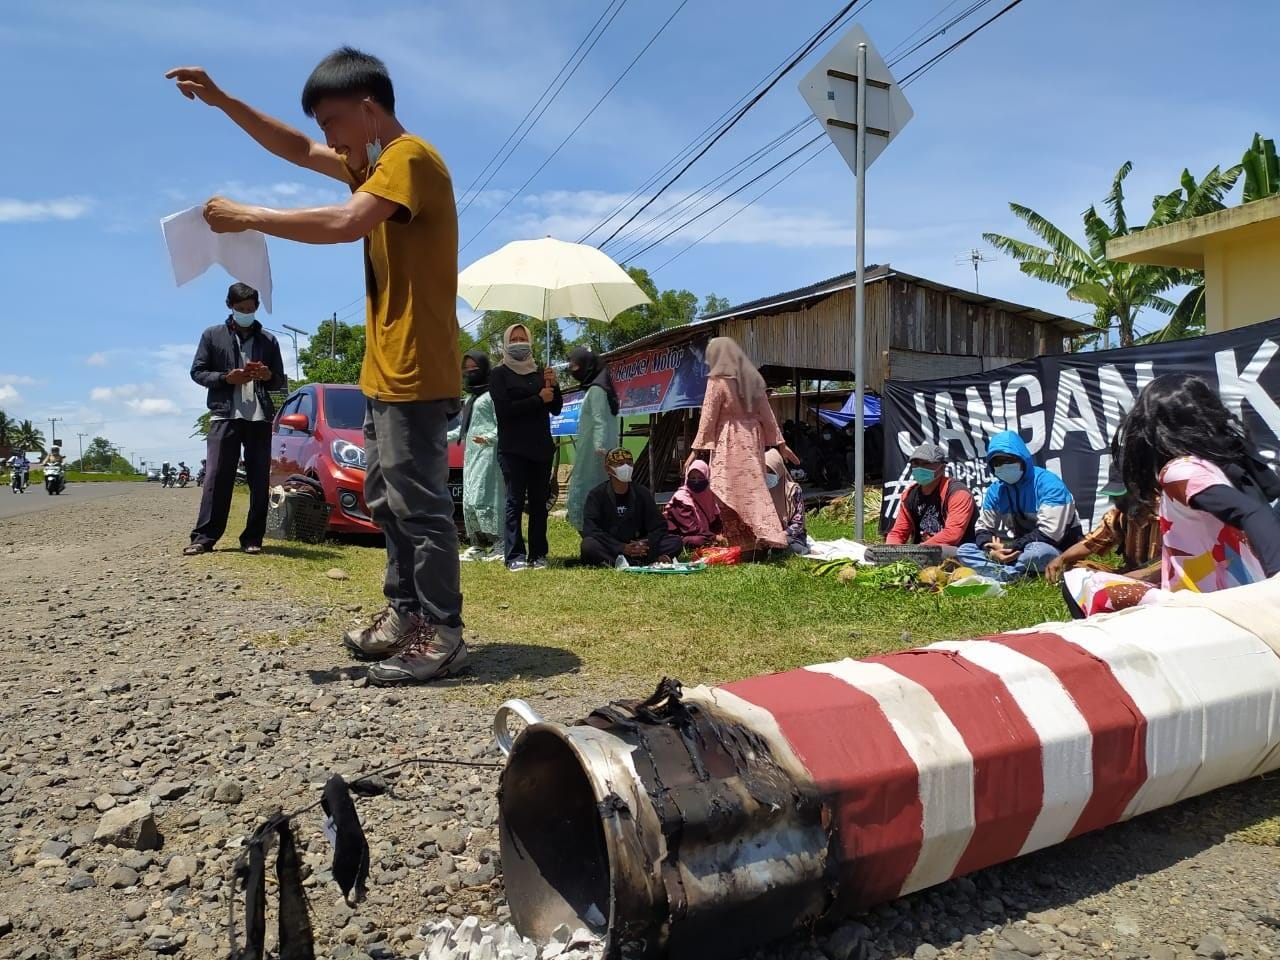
(169, 478)
(18, 482)
(200, 477)
(184, 477)
(54, 481)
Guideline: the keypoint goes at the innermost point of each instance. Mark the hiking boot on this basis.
(388, 634)
(436, 651)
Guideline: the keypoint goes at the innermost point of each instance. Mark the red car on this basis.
(319, 433)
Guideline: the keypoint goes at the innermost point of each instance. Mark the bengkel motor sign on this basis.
(1069, 407)
(662, 379)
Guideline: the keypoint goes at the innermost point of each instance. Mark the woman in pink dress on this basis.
(736, 427)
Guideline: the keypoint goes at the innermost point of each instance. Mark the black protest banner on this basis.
(1068, 408)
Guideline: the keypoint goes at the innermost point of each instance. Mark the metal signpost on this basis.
(853, 93)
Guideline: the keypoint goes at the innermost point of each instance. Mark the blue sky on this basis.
(1040, 108)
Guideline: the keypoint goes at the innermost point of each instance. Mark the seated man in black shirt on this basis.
(622, 525)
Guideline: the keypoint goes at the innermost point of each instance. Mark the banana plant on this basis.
(1261, 170)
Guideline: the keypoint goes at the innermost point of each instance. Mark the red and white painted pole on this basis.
(701, 824)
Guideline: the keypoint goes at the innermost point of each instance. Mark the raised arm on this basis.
(271, 134)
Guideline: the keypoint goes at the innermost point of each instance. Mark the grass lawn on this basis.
(714, 626)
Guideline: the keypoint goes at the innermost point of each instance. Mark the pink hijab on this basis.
(705, 502)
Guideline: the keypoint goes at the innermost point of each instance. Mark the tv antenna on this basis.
(974, 257)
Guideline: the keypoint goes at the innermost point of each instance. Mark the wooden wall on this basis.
(901, 315)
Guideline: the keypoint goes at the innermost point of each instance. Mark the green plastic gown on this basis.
(597, 435)
(483, 494)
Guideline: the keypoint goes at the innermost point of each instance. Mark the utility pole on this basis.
(81, 437)
(333, 337)
(974, 257)
(53, 431)
(294, 332)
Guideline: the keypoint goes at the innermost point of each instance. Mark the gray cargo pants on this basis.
(406, 488)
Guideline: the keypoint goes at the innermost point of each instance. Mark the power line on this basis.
(906, 81)
(759, 196)
(804, 52)
(565, 141)
(655, 223)
(467, 204)
(931, 63)
(728, 196)
(699, 139)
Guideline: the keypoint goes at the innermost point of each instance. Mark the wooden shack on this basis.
(916, 330)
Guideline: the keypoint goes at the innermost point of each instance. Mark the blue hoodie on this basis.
(1037, 507)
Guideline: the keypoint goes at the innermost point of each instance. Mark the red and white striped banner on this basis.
(939, 761)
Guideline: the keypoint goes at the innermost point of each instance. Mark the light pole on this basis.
(294, 331)
(53, 430)
(80, 437)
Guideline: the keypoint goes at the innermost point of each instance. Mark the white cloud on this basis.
(152, 406)
(122, 391)
(96, 360)
(284, 194)
(18, 380)
(8, 394)
(32, 211)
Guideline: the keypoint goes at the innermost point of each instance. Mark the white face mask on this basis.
(623, 472)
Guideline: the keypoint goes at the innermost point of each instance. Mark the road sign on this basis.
(831, 88)
(861, 107)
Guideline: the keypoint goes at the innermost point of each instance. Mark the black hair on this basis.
(348, 72)
(241, 291)
(1177, 415)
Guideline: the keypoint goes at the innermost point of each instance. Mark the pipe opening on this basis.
(554, 857)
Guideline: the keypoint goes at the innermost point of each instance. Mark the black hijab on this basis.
(479, 390)
(594, 372)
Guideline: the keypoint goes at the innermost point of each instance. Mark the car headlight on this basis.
(347, 454)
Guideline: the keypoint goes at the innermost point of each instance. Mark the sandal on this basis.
(194, 549)
(253, 549)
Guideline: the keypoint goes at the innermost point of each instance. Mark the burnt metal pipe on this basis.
(701, 823)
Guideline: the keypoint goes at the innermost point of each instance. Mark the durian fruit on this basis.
(847, 575)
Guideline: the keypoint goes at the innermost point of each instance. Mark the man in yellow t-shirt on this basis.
(402, 208)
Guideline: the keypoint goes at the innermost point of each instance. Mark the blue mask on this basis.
(923, 476)
(244, 320)
(372, 151)
(1009, 473)
(770, 480)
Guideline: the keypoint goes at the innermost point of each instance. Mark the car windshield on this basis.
(344, 409)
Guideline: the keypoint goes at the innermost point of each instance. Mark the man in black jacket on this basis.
(621, 521)
(239, 362)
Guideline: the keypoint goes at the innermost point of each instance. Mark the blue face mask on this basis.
(923, 476)
(372, 151)
(770, 480)
(1009, 473)
(244, 320)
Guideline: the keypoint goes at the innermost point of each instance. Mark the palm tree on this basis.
(7, 426)
(27, 437)
(1116, 291)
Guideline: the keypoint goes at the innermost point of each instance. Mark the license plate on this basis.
(455, 491)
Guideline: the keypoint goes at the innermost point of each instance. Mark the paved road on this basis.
(35, 499)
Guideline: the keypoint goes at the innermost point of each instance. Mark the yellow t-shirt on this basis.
(411, 279)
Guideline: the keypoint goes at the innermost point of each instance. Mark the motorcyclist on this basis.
(54, 456)
(20, 467)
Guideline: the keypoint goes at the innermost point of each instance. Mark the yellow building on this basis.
(1239, 251)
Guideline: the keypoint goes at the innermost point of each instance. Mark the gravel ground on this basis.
(131, 679)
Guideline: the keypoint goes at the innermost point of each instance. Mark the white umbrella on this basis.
(546, 279)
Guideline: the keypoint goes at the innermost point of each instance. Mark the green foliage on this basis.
(8, 426)
(669, 308)
(495, 322)
(101, 455)
(26, 437)
(201, 427)
(334, 353)
(1261, 170)
(1119, 291)
(714, 304)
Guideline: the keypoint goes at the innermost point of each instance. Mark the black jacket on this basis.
(220, 352)
(524, 421)
(614, 520)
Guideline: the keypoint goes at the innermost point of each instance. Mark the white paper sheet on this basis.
(194, 248)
